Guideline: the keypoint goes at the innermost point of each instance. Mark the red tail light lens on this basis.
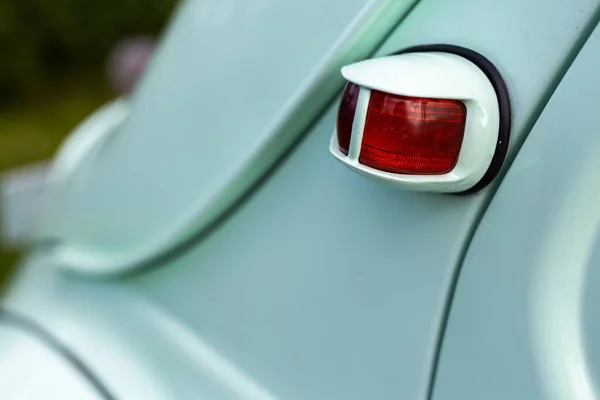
(410, 135)
(346, 116)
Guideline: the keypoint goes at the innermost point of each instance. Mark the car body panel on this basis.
(30, 370)
(321, 284)
(523, 322)
(323, 278)
(226, 96)
(132, 345)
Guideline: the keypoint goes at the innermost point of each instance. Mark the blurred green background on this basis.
(53, 58)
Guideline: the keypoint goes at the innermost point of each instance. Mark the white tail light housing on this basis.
(424, 120)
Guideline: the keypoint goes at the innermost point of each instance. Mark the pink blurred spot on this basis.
(127, 62)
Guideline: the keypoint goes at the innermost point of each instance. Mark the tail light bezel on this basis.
(431, 72)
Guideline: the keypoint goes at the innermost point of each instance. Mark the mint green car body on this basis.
(286, 276)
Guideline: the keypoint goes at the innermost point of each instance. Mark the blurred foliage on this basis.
(53, 55)
(32, 131)
(8, 258)
(43, 39)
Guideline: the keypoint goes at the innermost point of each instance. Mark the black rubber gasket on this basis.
(499, 85)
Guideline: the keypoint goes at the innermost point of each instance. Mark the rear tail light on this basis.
(424, 121)
(346, 116)
(412, 135)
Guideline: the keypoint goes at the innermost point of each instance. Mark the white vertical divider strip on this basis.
(358, 125)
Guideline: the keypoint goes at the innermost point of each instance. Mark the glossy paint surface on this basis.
(524, 322)
(233, 85)
(322, 284)
(29, 370)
